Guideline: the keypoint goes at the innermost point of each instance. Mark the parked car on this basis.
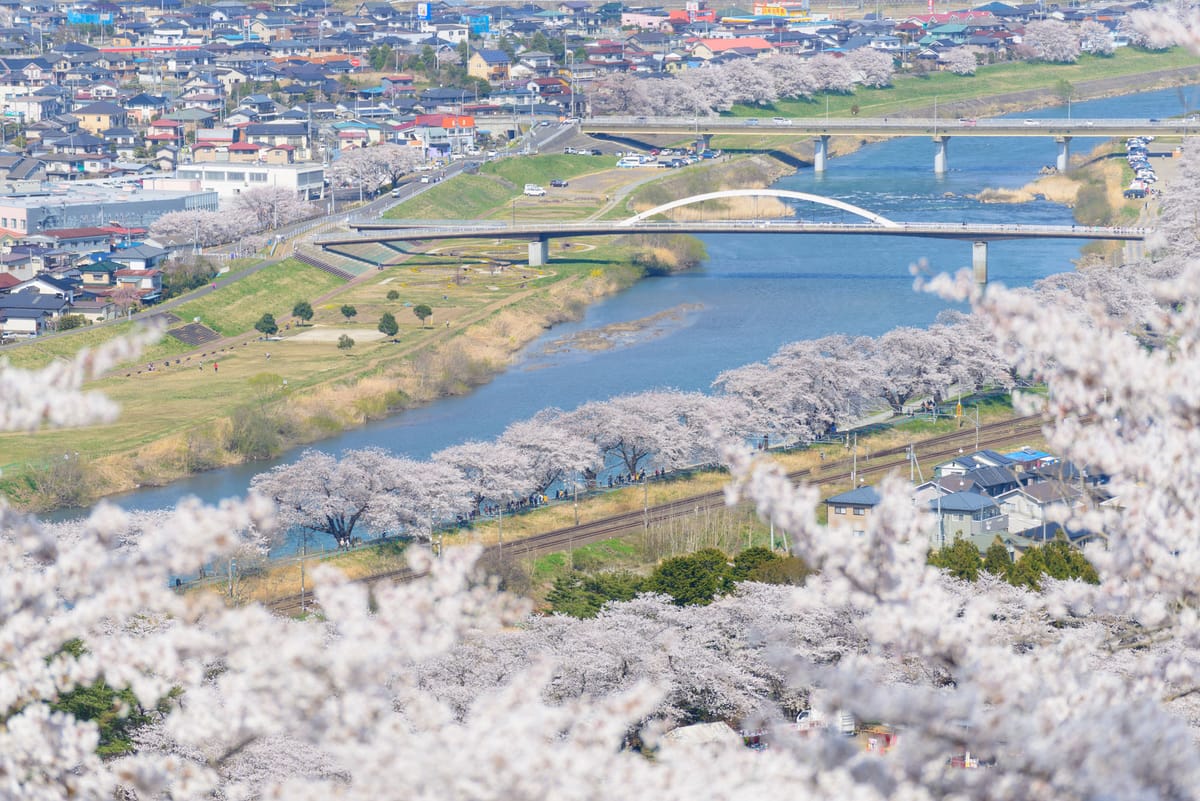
(629, 161)
(533, 190)
(558, 183)
(595, 151)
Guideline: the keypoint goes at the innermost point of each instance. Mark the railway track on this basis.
(834, 472)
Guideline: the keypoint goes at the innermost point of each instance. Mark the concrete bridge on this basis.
(873, 224)
(938, 129)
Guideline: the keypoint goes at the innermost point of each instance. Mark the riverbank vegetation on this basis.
(991, 89)
(250, 398)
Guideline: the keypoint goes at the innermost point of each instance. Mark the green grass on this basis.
(235, 307)
(543, 169)
(462, 197)
(40, 352)
(911, 91)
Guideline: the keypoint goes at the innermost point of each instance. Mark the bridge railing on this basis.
(1028, 125)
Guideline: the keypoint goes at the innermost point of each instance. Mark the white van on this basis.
(533, 190)
(630, 161)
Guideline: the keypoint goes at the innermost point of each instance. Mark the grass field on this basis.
(235, 307)
(544, 168)
(463, 197)
(910, 91)
(43, 351)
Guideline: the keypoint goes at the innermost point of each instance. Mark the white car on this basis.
(781, 121)
(533, 190)
(1031, 122)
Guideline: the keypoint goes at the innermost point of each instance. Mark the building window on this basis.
(860, 511)
(839, 510)
(258, 177)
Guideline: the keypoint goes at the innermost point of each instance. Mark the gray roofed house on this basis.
(851, 511)
(967, 515)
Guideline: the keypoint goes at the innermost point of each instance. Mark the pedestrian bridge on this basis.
(539, 234)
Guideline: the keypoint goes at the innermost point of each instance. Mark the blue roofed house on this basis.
(967, 515)
(28, 313)
(963, 464)
(489, 65)
(851, 511)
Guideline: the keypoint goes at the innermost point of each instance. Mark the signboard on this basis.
(356, 62)
(692, 5)
(423, 11)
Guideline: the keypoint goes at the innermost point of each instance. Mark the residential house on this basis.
(1037, 505)
(967, 515)
(99, 276)
(138, 257)
(489, 65)
(964, 464)
(148, 283)
(145, 108)
(100, 116)
(276, 133)
(851, 511)
(48, 285)
(28, 313)
(752, 46)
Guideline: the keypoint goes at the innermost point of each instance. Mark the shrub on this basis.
(345, 342)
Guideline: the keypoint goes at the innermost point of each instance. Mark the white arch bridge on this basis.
(869, 224)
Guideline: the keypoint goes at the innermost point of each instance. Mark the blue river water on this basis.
(756, 292)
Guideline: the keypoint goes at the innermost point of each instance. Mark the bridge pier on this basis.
(1064, 153)
(940, 155)
(820, 152)
(979, 263)
(539, 252)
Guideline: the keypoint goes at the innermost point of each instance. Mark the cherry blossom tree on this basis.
(201, 227)
(831, 73)
(871, 67)
(750, 83)
(1095, 38)
(271, 207)
(555, 454)
(636, 430)
(374, 166)
(493, 471)
(805, 388)
(791, 77)
(1051, 40)
(1073, 692)
(959, 60)
(334, 496)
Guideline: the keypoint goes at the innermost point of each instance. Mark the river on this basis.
(755, 292)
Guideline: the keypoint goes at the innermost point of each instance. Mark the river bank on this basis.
(747, 305)
(285, 410)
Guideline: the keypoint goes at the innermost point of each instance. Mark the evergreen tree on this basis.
(693, 579)
(303, 310)
(960, 560)
(266, 324)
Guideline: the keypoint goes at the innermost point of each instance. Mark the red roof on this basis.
(136, 273)
(166, 124)
(721, 45)
(245, 147)
(77, 233)
(7, 280)
(283, 147)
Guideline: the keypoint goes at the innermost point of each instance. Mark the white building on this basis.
(230, 179)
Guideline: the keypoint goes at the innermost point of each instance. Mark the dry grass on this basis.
(734, 208)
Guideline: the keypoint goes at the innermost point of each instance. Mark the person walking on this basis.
(214, 367)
